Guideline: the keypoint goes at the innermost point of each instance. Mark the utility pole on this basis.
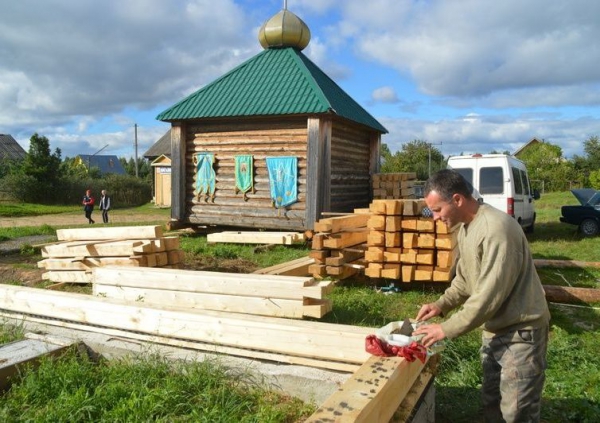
(429, 145)
(135, 143)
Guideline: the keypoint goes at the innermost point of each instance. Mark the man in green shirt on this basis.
(496, 287)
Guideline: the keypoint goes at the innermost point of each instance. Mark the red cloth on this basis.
(375, 346)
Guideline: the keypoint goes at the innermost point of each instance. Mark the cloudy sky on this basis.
(465, 75)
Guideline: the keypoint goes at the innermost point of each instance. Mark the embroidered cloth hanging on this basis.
(283, 178)
(244, 178)
(205, 176)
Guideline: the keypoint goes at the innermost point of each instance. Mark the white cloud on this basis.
(474, 133)
(385, 94)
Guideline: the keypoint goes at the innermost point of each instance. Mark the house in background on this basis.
(525, 147)
(159, 155)
(106, 164)
(273, 143)
(10, 149)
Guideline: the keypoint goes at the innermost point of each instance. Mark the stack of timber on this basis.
(257, 237)
(394, 185)
(338, 245)
(265, 295)
(317, 344)
(404, 245)
(78, 251)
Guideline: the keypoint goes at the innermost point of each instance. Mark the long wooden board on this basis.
(257, 237)
(85, 263)
(261, 306)
(109, 233)
(336, 224)
(267, 286)
(192, 345)
(301, 338)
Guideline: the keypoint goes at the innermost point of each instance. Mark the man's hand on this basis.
(428, 311)
(432, 333)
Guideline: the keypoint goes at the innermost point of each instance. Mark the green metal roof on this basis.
(277, 81)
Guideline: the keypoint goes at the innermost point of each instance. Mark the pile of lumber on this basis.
(264, 295)
(317, 344)
(338, 245)
(257, 237)
(394, 185)
(78, 251)
(404, 245)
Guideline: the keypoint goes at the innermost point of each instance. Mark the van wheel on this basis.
(589, 227)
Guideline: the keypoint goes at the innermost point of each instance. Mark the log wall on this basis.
(261, 140)
(350, 167)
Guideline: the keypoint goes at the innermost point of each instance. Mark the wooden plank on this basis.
(269, 286)
(262, 306)
(70, 276)
(80, 263)
(337, 224)
(372, 394)
(191, 345)
(570, 295)
(109, 233)
(298, 267)
(98, 249)
(256, 237)
(18, 356)
(291, 337)
(345, 239)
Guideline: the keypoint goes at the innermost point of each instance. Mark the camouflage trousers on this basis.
(514, 367)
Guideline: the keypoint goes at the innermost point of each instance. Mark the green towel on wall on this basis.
(244, 174)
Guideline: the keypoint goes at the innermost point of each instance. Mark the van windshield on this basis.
(491, 180)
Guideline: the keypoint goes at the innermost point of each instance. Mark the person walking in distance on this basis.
(104, 205)
(88, 205)
(495, 287)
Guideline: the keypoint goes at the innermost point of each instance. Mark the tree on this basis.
(39, 163)
(414, 157)
(585, 165)
(546, 165)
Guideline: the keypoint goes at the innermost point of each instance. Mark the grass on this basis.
(571, 392)
(28, 209)
(145, 388)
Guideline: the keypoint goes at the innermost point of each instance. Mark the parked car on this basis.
(587, 215)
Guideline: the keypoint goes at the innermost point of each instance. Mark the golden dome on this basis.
(284, 30)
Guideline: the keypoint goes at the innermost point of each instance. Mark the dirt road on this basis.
(117, 217)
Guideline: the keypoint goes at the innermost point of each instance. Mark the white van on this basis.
(501, 181)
